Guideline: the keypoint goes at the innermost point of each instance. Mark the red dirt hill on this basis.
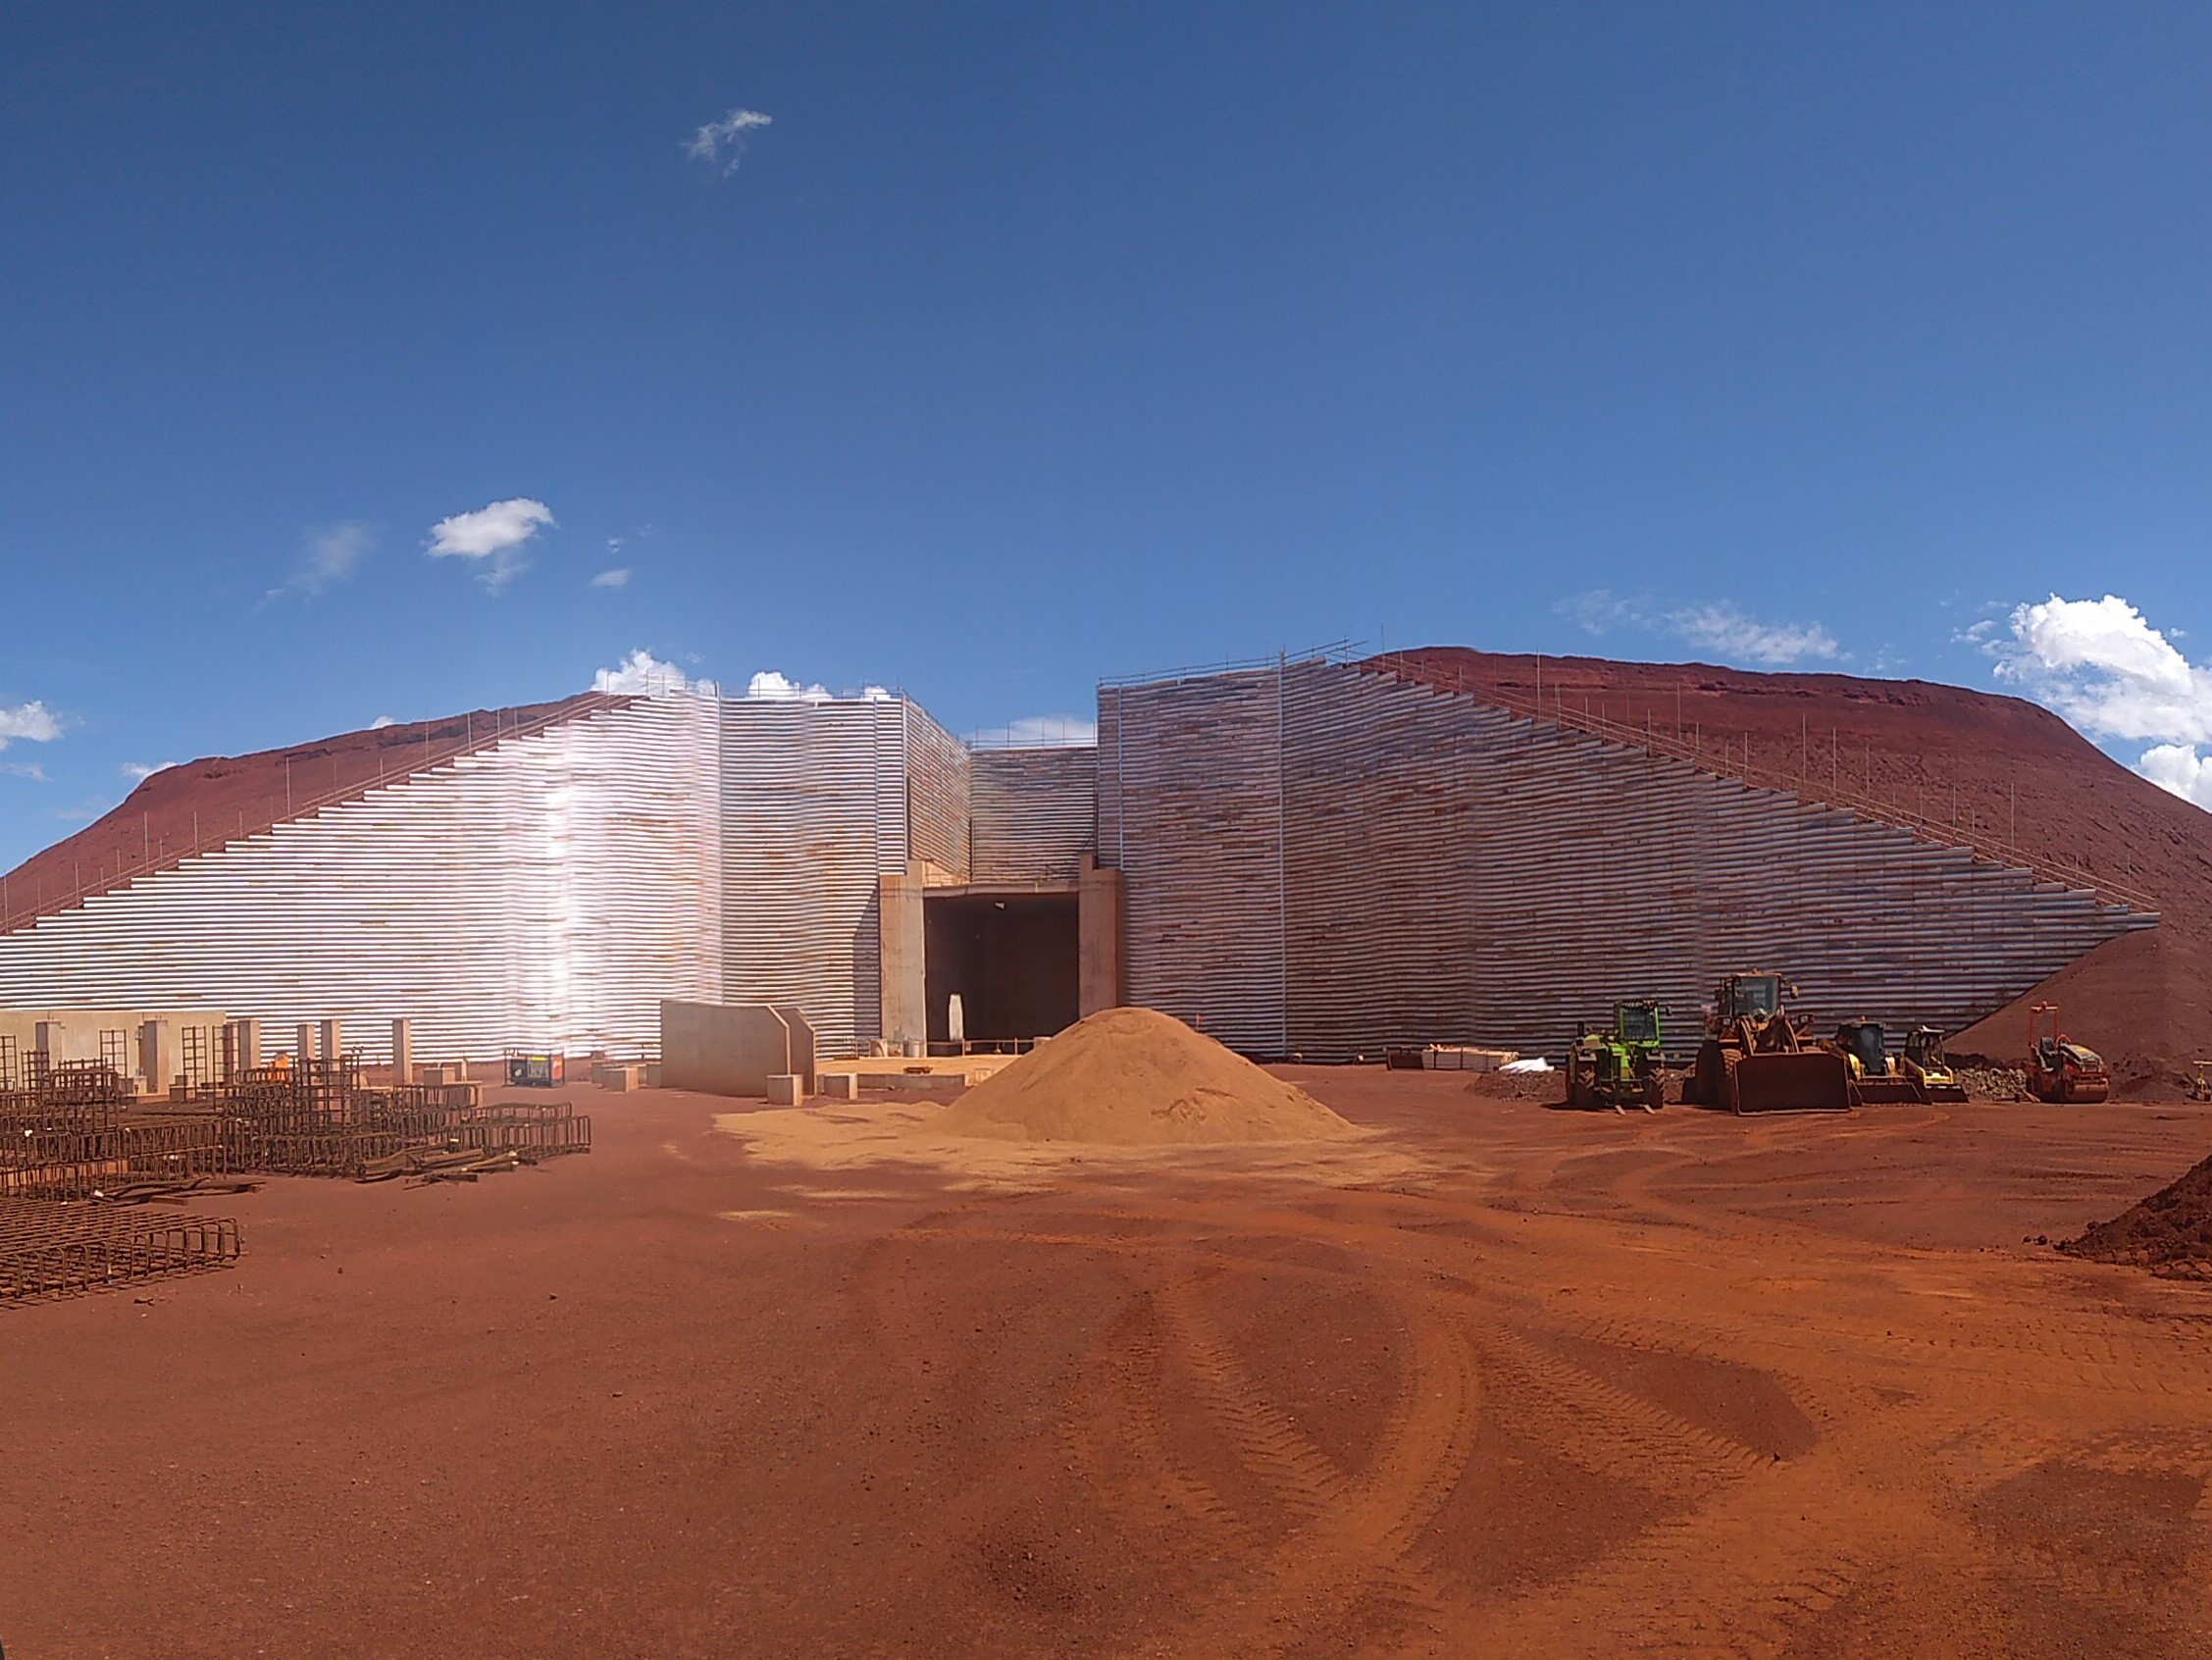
(2009, 767)
(220, 797)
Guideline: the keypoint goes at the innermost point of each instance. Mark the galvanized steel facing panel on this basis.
(1454, 872)
(547, 889)
(938, 788)
(1190, 810)
(813, 814)
(1034, 812)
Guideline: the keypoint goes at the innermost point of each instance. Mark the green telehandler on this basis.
(1621, 1068)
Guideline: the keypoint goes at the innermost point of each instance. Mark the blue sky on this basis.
(1021, 344)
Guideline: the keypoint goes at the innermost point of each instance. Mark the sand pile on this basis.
(1133, 1077)
(2169, 1232)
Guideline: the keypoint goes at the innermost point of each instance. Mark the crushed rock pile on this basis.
(2169, 1233)
(1134, 1077)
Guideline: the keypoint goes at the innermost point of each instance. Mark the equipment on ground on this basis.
(1928, 1068)
(1874, 1079)
(1755, 1059)
(2200, 1083)
(535, 1071)
(2060, 1071)
(1620, 1067)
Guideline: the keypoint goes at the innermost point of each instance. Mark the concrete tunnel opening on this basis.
(1014, 960)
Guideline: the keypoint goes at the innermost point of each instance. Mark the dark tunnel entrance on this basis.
(1011, 957)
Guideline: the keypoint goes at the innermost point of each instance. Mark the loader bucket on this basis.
(1950, 1093)
(1811, 1082)
(1885, 1092)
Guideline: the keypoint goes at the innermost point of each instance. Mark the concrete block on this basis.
(732, 1049)
(841, 1086)
(333, 1040)
(784, 1089)
(913, 1083)
(305, 1050)
(402, 1049)
(245, 1039)
(157, 1056)
(621, 1079)
(1458, 1058)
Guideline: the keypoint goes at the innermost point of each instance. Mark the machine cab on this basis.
(1750, 997)
(1865, 1043)
(1924, 1048)
(1636, 1022)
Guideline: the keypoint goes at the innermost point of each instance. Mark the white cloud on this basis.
(496, 534)
(769, 684)
(878, 694)
(33, 722)
(24, 769)
(140, 771)
(2103, 666)
(1725, 629)
(619, 577)
(1601, 610)
(329, 556)
(2100, 665)
(642, 672)
(721, 143)
(2180, 768)
(381, 722)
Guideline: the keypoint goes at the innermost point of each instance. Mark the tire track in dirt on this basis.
(1607, 1430)
(1351, 1552)
(1117, 1440)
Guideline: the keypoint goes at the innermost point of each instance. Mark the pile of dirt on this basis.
(2169, 1233)
(2009, 767)
(1134, 1077)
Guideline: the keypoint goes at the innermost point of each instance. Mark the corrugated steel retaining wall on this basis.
(813, 813)
(543, 889)
(1035, 812)
(1326, 860)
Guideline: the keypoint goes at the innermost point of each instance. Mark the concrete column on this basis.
(157, 1056)
(306, 1050)
(246, 1045)
(1102, 981)
(904, 957)
(333, 1037)
(402, 1053)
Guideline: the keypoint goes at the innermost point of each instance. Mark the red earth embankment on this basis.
(219, 798)
(2009, 766)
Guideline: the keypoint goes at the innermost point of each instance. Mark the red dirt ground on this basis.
(1584, 1386)
(2138, 1000)
(226, 796)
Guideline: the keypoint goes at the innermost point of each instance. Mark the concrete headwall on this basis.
(732, 1049)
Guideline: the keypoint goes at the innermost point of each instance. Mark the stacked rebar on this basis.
(72, 1140)
(318, 1118)
(50, 1250)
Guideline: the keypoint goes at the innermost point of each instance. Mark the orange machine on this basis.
(2059, 1070)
